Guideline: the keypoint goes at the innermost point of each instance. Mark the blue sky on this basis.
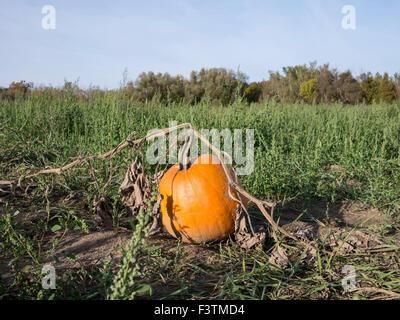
(94, 41)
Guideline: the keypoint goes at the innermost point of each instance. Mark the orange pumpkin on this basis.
(196, 205)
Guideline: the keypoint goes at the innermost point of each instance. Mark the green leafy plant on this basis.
(124, 284)
(308, 90)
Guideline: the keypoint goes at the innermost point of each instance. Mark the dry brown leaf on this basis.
(103, 210)
(345, 242)
(135, 188)
(310, 257)
(157, 226)
(279, 257)
(246, 235)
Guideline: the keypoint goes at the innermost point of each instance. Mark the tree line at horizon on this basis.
(302, 83)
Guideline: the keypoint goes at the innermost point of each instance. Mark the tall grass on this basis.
(293, 143)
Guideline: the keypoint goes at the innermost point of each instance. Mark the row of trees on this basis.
(218, 85)
(305, 83)
(322, 84)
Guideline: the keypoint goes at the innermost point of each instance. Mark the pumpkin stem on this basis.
(183, 157)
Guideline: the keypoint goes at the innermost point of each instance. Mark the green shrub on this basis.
(387, 90)
(253, 92)
(308, 90)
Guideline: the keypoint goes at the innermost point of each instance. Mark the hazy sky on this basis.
(96, 40)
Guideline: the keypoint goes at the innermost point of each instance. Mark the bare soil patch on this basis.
(346, 227)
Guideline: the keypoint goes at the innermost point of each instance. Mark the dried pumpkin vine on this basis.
(136, 191)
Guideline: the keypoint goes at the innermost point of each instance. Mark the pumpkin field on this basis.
(329, 172)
